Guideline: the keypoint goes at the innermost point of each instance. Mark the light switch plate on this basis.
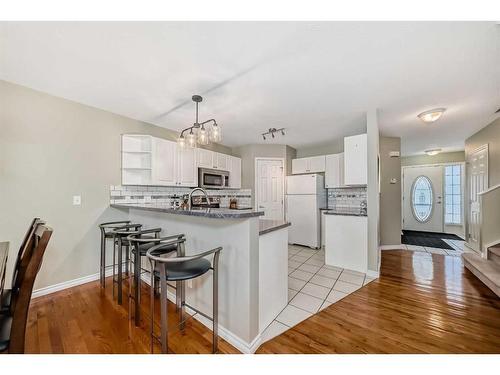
(77, 200)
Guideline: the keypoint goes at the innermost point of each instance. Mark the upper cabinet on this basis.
(356, 160)
(334, 171)
(314, 164)
(148, 160)
(205, 158)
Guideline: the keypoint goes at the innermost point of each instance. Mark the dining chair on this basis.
(13, 325)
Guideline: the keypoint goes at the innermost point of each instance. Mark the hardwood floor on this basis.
(422, 303)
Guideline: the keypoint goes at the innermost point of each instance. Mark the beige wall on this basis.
(248, 153)
(390, 194)
(445, 157)
(332, 147)
(50, 150)
(488, 135)
(372, 190)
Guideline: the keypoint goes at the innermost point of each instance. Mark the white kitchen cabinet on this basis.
(164, 162)
(221, 161)
(356, 160)
(346, 242)
(313, 164)
(234, 172)
(334, 171)
(205, 158)
(187, 171)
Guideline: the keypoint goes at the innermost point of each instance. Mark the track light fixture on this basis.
(272, 132)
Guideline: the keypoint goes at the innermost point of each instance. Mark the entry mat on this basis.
(428, 239)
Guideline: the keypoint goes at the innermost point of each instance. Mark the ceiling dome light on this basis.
(433, 152)
(432, 115)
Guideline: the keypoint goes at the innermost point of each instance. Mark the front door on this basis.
(477, 165)
(269, 188)
(423, 198)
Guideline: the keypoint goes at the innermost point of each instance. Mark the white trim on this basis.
(256, 180)
(68, 284)
(484, 253)
(488, 190)
(392, 247)
(374, 274)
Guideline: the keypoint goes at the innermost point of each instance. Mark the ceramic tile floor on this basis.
(458, 248)
(312, 286)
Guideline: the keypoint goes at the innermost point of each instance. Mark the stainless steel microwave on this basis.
(212, 178)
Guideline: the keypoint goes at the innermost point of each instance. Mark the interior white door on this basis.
(477, 182)
(269, 188)
(423, 198)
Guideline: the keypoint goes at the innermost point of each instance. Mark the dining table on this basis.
(4, 252)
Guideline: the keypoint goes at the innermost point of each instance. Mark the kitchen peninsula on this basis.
(253, 282)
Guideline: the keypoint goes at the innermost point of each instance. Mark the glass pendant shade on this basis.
(181, 142)
(203, 136)
(191, 140)
(215, 133)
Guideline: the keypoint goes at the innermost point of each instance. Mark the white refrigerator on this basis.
(305, 195)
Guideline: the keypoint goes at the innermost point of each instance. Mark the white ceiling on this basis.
(315, 79)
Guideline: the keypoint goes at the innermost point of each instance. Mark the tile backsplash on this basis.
(164, 194)
(346, 198)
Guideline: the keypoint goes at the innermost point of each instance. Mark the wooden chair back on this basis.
(24, 254)
(36, 245)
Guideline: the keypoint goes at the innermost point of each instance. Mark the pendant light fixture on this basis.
(200, 133)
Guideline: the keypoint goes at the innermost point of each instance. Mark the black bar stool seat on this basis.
(143, 248)
(185, 271)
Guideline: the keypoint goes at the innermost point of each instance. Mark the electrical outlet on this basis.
(77, 200)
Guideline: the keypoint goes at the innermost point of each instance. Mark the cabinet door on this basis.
(235, 173)
(187, 172)
(300, 166)
(334, 171)
(205, 158)
(222, 161)
(355, 160)
(316, 164)
(164, 162)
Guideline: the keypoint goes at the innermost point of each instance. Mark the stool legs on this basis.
(120, 269)
(215, 312)
(137, 287)
(164, 311)
(152, 294)
(102, 274)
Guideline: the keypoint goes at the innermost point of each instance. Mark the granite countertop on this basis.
(269, 225)
(345, 212)
(215, 213)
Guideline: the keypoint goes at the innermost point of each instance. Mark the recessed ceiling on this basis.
(316, 79)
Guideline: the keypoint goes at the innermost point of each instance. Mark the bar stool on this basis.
(180, 269)
(106, 233)
(140, 245)
(120, 241)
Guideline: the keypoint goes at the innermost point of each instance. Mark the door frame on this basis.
(463, 190)
(467, 175)
(256, 181)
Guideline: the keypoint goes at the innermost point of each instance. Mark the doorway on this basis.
(269, 187)
(423, 198)
(477, 181)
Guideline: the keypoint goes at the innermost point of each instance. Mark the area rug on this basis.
(428, 239)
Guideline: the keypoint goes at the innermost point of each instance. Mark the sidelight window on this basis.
(453, 194)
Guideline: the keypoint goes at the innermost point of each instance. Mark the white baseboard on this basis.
(374, 274)
(68, 284)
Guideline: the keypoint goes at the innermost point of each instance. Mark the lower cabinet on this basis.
(346, 242)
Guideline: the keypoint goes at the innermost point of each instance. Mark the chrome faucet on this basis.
(191, 194)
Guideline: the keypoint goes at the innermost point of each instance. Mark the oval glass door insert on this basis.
(421, 199)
